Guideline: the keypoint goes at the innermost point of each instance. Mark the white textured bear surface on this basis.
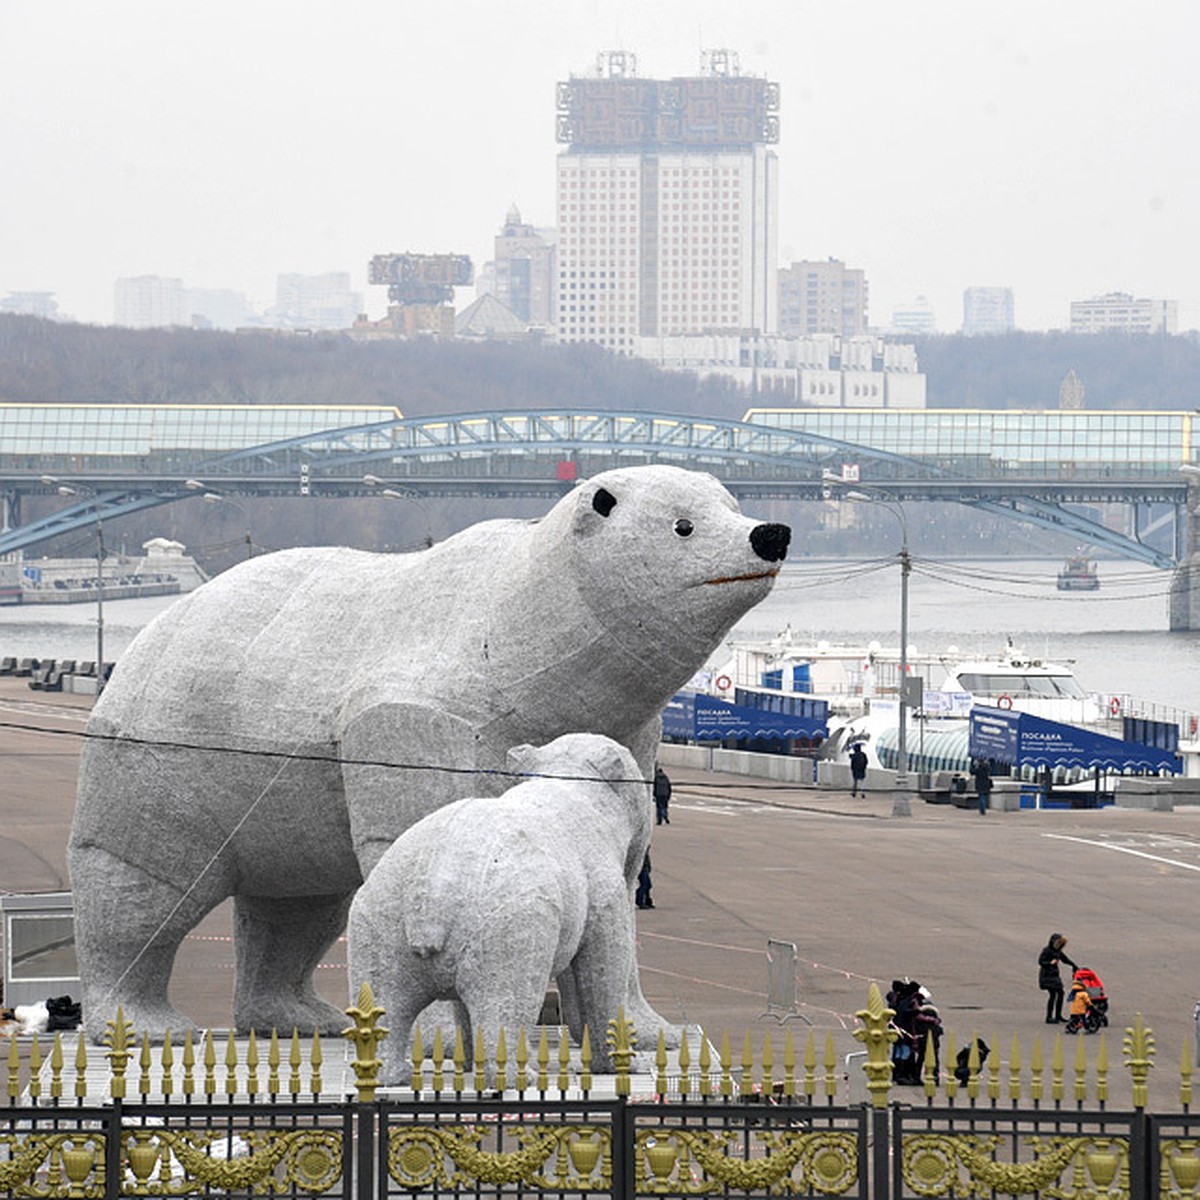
(270, 735)
(487, 900)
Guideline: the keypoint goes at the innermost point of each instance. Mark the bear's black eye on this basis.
(684, 527)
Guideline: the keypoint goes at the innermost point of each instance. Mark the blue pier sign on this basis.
(1021, 739)
(700, 718)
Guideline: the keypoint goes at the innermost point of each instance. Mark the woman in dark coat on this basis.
(1049, 978)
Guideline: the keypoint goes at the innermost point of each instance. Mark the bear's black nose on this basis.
(770, 542)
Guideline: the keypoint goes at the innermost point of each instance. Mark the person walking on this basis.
(642, 898)
(983, 784)
(662, 796)
(1050, 977)
(858, 769)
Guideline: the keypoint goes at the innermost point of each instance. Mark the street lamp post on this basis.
(1185, 584)
(64, 489)
(217, 498)
(901, 800)
(209, 496)
(901, 806)
(392, 493)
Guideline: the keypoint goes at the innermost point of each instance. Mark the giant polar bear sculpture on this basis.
(271, 734)
(486, 900)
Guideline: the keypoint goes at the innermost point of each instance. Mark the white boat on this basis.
(861, 685)
(1015, 681)
(1078, 574)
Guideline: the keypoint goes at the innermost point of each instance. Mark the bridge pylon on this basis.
(1185, 582)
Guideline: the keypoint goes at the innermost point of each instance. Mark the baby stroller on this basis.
(1091, 1014)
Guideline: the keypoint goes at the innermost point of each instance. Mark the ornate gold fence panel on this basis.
(981, 1151)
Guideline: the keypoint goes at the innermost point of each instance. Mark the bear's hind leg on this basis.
(605, 978)
(128, 929)
(280, 942)
(510, 998)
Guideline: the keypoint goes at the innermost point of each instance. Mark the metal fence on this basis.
(200, 1118)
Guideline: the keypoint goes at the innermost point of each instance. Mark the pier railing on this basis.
(285, 1116)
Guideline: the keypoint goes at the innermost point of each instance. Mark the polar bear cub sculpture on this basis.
(271, 734)
(485, 901)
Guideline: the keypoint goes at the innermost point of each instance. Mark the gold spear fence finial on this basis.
(621, 1040)
(877, 1035)
(1139, 1058)
(366, 1033)
(117, 1039)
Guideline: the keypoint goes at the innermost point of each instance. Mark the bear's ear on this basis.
(604, 501)
(592, 510)
(612, 763)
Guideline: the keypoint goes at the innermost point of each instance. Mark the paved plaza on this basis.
(961, 902)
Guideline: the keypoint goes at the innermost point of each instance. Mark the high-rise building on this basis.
(31, 304)
(150, 302)
(217, 308)
(522, 275)
(822, 297)
(915, 319)
(987, 310)
(667, 203)
(315, 301)
(1120, 312)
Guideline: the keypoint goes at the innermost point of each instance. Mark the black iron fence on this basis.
(481, 1147)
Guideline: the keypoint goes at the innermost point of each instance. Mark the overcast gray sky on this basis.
(1044, 145)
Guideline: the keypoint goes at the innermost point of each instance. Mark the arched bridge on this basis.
(123, 461)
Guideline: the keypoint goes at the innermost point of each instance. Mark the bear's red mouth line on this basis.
(743, 578)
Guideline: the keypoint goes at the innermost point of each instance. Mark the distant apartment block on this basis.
(1120, 312)
(822, 297)
(667, 203)
(987, 310)
(915, 319)
(523, 272)
(150, 302)
(822, 371)
(218, 308)
(315, 301)
(31, 304)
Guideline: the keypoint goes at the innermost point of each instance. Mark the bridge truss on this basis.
(538, 453)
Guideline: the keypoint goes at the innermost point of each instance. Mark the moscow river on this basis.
(1117, 638)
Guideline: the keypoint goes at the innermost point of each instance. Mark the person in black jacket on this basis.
(858, 769)
(903, 1000)
(642, 898)
(983, 787)
(662, 796)
(1049, 978)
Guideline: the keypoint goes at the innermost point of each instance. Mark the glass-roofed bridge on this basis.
(1036, 466)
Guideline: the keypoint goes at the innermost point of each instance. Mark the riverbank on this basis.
(164, 569)
(112, 591)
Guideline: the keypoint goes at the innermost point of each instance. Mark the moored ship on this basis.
(1078, 574)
